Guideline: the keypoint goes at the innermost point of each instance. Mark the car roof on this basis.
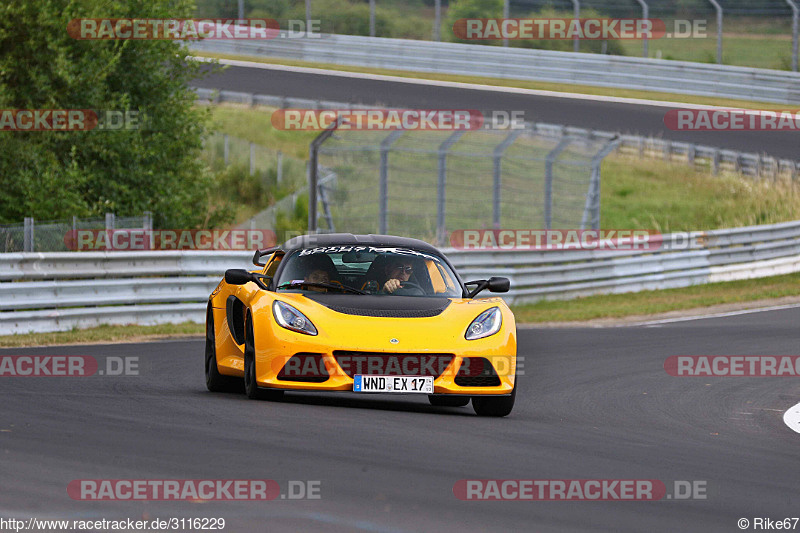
(338, 239)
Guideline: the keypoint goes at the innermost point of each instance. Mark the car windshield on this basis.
(368, 270)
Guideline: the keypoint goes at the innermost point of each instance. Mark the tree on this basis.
(57, 174)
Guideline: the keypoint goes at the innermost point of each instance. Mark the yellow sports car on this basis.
(364, 314)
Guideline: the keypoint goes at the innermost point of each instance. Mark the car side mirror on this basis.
(494, 284)
(240, 276)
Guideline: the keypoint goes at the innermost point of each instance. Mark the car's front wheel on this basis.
(216, 382)
(448, 401)
(251, 388)
(494, 405)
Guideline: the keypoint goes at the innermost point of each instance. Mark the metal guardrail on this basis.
(700, 156)
(58, 291)
(681, 77)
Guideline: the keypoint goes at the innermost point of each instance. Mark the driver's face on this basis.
(401, 271)
(318, 276)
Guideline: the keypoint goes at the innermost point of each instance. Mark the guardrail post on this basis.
(497, 172)
(576, 44)
(437, 20)
(690, 154)
(441, 189)
(645, 15)
(27, 235)
(719, 29)
(548, 180)
(795, 16)
(386, 143)
(110, 221)
(715, 162)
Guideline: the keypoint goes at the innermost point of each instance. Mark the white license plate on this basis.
(401, 384)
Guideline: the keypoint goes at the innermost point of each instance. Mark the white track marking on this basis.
(457, 85)
(792, 418)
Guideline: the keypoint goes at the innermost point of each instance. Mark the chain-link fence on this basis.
(426, 184)
(755, 33)
(58, 235)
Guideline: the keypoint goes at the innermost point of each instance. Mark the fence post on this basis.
(437, 20)
(372, 18)
(496, 185)
(592, 205)
(576, 44)
(386, 143)
(308, 14)
(441, 190)
(313, 172)
(241, 9)
(719, 29)
(110, 220)
(27, 235)
(548, 179)
(506, 14)
(279, 177)
(645, 15)
(227, 148)
(795, 16)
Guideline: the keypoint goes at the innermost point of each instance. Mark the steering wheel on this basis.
(410, 288)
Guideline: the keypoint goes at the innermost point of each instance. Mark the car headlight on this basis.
(485, 324)
(290, 318)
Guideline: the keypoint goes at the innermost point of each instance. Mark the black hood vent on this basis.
(387, 306)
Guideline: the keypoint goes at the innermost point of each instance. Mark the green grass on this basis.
(651, 302)
(104, 334)
(523, 84)
(760, 51)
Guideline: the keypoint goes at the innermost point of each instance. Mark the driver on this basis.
(318, 275)
(398, 271)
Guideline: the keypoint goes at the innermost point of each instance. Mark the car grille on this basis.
(392, 364)
(305, 367)
(477, 372)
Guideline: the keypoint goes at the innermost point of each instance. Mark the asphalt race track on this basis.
(607, 116)
(593, 404)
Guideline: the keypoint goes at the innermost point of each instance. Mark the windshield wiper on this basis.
(293, 284)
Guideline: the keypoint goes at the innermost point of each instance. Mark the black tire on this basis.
(494, 405)
(448, 401)
(216, 382)
(251, 388)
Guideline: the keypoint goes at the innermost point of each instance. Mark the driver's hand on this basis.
(392, 285)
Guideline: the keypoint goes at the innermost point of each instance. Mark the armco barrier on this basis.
(599, 70)
(58, 291)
